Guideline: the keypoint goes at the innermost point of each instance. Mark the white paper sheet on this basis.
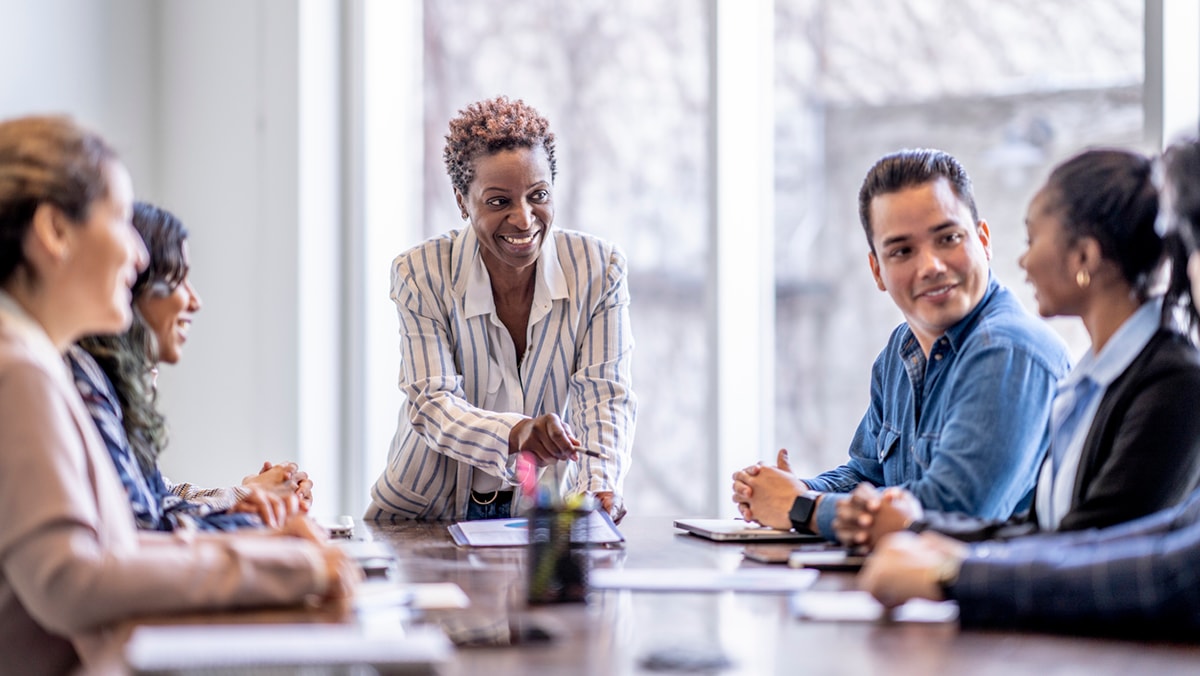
(702, 579)
(859, 606)
(420, 596)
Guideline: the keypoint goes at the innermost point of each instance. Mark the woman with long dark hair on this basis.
(115, 375)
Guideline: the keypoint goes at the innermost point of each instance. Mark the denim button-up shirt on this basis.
(966, 429)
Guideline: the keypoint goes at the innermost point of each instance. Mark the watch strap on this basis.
(802, 511)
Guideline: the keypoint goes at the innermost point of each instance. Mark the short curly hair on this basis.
(485, 127)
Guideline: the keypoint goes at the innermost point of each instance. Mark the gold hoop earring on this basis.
(1083, 278)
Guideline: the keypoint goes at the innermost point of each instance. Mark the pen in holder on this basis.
(558, 572)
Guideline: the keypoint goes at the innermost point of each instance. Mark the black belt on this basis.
(489, 498)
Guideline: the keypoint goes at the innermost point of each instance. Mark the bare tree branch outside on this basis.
(1008, 86)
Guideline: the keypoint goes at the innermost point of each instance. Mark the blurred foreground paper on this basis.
(228, 646)
(419, 596)
(859, 606)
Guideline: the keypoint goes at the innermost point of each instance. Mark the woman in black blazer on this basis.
(1124, 435)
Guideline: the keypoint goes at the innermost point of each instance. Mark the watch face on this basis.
(801, 512)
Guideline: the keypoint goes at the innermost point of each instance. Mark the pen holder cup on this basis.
(558, 572)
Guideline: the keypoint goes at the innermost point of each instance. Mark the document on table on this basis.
(859, 606)
(239, 646)
(703, 579)
(419, 595)
(598, 528)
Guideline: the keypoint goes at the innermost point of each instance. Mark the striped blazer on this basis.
(577, 365)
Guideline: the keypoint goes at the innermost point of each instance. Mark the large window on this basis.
(1008, 86)
(625, 85)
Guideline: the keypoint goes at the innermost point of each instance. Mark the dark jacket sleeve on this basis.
(1137, 580)
(1142, 453)
(972, 529)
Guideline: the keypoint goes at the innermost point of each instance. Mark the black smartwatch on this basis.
(802, 511)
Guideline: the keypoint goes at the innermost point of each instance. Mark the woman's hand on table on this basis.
(342, 573)
(283, 479)
(271, 508)
(613, 504)
(907, 566)
(546, 437)
(304, 527)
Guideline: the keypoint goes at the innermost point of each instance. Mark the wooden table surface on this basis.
(624, 632)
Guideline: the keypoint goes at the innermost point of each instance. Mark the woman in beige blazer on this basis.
(72, 564)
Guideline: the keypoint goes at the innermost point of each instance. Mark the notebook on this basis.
(597, 529)
(737, 530)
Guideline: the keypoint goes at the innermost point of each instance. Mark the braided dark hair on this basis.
(1180, 224)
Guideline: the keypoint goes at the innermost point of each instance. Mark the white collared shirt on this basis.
(1055, 489)
(505, 388)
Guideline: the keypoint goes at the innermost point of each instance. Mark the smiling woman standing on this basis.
(514, 338)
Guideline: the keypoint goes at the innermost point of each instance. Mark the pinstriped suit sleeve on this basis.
(604, 407)
(1140, 579)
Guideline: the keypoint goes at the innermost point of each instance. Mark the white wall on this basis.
(91, 59)
(260, 378)
(208, 103)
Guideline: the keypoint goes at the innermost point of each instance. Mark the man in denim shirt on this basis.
(962, 392)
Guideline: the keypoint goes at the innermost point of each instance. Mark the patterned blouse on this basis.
(156, 504)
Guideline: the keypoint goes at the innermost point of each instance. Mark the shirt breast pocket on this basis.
(888, 451)
(492, 381)
(885, 444)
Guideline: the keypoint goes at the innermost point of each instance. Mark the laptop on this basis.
(737, 530)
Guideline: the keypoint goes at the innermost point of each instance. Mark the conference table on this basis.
(652, 632)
